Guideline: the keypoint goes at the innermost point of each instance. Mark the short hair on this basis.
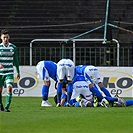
(4, 31)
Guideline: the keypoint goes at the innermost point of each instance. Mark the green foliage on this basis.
(27, 116)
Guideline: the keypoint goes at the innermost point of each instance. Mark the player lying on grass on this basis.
(92, 72)
(93, 78)
(45, 71)
(82, 96)
(112, 102)
(79, 87)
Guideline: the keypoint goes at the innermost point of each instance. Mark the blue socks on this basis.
(59, 92)
(106, 92)
(45, 91)
(69, 92)
(129, 102)
(96, 92)
(111, 99)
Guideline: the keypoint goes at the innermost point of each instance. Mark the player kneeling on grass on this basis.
(82, 96)
(93, 78)
(84, 99)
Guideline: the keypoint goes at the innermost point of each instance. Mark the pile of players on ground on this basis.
(76, 86)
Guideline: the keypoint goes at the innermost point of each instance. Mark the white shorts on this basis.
(81, 87)
(65, 68)
(93, 73)
(42, 72)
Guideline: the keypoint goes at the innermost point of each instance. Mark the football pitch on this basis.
(27, 116)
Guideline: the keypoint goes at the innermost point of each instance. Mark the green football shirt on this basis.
(8, 59)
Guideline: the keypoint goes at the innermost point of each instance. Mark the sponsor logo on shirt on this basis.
(66, 65)
(81, 86)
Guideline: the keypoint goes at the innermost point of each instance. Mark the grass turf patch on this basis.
(27, 116)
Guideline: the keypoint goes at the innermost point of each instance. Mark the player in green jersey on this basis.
(8, 59)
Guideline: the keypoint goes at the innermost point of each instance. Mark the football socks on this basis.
(8, 100)
(69, 92)
(45, 91)
(129, 102)
(59, 92)
(96, 92)
(106, 92)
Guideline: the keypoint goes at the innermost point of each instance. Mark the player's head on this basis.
(4, 31)
(5, 36)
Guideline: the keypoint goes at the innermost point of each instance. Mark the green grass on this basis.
(27, 116)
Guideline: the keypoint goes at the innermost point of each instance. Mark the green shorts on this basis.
(6, 80)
